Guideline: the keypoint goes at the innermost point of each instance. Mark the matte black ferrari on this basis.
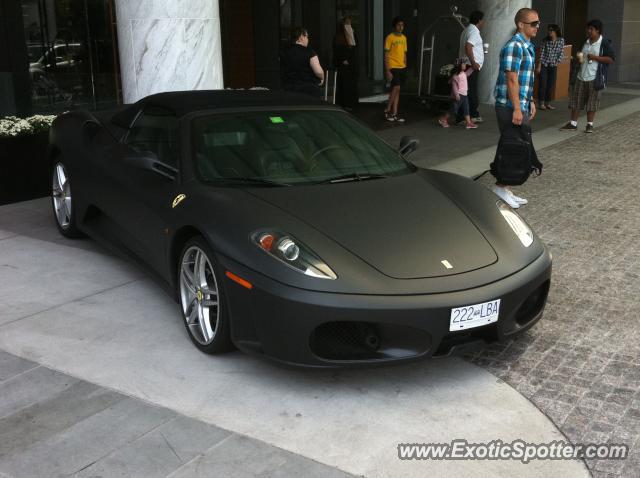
(286, 228)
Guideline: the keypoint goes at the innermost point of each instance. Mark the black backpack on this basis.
(516, 157)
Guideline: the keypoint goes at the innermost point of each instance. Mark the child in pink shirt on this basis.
(459, 90)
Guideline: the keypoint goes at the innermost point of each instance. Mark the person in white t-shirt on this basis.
(472, 50)
(594, 59)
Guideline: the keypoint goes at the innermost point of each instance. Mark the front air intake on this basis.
(359, 341)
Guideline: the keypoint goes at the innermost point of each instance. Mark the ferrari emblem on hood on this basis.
(179, 198)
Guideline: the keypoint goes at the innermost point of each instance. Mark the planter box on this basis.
(24, 168)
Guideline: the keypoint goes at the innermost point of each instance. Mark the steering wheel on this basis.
(325, 149)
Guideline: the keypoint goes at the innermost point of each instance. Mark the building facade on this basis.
(61, 54)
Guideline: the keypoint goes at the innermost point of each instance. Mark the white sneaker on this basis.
(519, 200)
(506, 196)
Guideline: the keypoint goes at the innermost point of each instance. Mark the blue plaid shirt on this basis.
(518, 55)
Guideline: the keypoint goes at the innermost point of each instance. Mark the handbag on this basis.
(516, 158)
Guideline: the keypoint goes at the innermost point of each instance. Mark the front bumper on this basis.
(318, 329)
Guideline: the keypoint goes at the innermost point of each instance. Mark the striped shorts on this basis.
(584, 96)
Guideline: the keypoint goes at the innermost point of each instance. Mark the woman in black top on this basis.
(345, 60)
(300, 68)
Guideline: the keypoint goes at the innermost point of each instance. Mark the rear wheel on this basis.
(62, 200)
(201, 299)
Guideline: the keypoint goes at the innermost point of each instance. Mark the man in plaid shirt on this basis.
(514, 87)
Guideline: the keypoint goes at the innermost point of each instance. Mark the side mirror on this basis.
(148, 161)
(408, 145)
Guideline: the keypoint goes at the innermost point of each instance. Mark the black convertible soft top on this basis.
(184, 102)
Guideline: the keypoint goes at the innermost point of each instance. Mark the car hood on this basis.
(402, 226)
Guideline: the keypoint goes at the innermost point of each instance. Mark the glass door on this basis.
(72, 54)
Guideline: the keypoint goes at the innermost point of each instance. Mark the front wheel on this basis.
(62, 201)
(201, 299)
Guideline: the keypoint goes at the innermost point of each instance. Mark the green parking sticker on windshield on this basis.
(276, 119)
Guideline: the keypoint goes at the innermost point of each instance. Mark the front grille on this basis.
(485, 334)
(345, 341)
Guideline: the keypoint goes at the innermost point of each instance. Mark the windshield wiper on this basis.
(251, 180)
(353, 177)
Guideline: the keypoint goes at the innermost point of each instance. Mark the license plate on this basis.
(475, 315)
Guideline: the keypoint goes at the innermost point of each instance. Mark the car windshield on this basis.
(286, 148)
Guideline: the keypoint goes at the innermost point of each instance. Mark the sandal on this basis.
(549, 107)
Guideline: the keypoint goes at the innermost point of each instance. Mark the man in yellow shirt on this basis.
(395, 65)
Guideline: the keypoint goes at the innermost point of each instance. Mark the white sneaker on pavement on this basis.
(521, 201)
(506, 196)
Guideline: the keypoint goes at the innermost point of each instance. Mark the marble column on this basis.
(168, 45)
(498, 28)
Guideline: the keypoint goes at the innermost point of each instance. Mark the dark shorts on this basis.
(399, 75)
(504, 115)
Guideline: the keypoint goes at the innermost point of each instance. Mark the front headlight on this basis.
(293, 253)
(522, 230)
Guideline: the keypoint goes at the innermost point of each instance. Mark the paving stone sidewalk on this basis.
(581, 363)
(52, 424)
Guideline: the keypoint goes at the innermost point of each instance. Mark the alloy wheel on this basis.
(61, 194)
(199, 295)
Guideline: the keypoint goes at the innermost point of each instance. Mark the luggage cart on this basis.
(330, 97)
(426, 89)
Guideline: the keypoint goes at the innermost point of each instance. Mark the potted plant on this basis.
(24, 168)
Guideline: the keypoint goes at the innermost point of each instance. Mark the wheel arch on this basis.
(178, 241)
(54, 152)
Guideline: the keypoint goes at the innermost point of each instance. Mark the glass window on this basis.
(289, 147)
(156, 130)
(72, 54)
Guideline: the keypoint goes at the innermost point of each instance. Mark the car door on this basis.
(140, 199)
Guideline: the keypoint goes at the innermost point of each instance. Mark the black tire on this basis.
(67, 226)
(221, 340)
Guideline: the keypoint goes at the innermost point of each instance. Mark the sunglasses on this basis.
(535, 24)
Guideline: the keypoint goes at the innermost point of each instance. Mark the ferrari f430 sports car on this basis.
(286, 228)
